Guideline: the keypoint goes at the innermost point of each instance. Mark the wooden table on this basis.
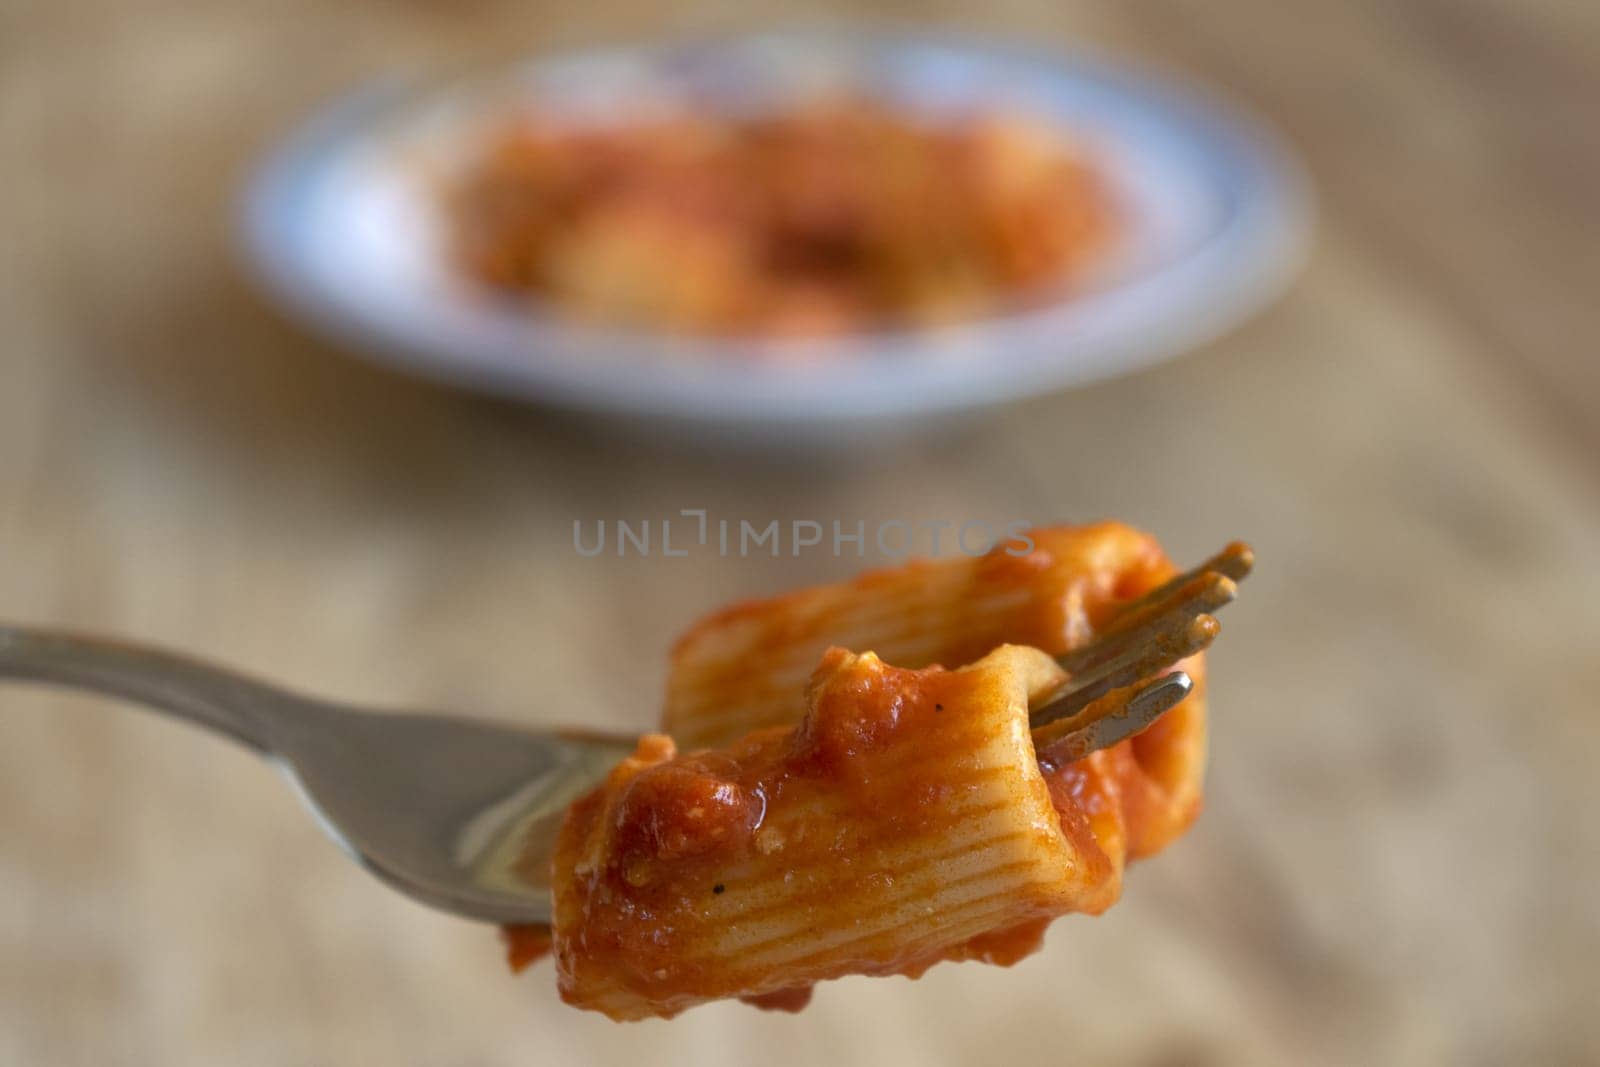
(1400, 852)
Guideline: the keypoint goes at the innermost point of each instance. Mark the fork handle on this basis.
(228, 703)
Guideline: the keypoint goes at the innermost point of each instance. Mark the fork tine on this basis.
(1145, 618)
(1118, 679)
(1235, 562)
(1113, 703)
(1127, 667)
(1145, 703)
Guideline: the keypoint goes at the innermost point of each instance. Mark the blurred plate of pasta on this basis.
(784, 232)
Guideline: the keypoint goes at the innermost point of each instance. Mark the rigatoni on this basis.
(904, 821)
(746, 667)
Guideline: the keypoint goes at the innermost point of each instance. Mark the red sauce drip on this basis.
(526, 944)
(789, 1000)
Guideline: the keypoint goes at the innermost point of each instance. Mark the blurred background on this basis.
(1398, 855)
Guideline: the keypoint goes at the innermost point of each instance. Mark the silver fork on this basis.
(462, 814)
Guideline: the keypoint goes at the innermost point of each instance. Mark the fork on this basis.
(462, 814)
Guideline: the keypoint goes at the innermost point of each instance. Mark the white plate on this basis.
(343, 227)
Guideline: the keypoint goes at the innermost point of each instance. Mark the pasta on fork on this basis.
(872, 777)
